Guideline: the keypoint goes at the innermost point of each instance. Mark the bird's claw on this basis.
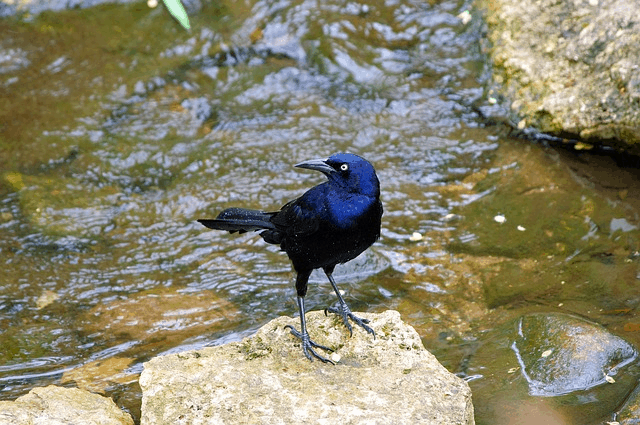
(308, 345)
(344, 311)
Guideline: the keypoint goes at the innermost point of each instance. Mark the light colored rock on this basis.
(569, 67)
(62, 406)
(265, 379)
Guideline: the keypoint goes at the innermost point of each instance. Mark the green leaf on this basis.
(178, 12)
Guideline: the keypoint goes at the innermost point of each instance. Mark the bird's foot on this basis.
(344, 311)
(308, 345)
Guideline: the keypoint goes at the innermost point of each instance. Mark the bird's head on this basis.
(348, 171)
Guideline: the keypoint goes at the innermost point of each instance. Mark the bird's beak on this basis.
(317, 165)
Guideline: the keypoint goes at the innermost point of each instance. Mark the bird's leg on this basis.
(344, 311)
(307, 345)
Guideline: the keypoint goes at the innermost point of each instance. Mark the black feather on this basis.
(239, 220)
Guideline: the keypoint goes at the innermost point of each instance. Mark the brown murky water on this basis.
(118, 130)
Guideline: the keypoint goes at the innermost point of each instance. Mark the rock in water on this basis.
(568, 67)
(560, 353)
(264, 379)
(629, 413)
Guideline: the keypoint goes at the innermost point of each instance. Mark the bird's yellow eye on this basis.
(344, 167)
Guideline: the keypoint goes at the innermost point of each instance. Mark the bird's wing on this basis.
(298, 217)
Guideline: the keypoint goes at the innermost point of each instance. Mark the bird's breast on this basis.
(350, 211)
(346, 228)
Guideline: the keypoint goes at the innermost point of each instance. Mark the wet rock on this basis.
(629, 413)
(551, 363)
(96, 376)
(57, 405)
(569, 67)
(560, 353)
(266, 379)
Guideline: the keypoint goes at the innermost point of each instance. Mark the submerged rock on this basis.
(158, 314)
(267, 379)
(550, 367)
(569, 67)
(97, 375)
(58, 405)
(560, 353)
(629, 413)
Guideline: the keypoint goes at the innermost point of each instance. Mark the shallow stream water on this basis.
(118, 130)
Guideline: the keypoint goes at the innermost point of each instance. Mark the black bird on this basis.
(330, 224)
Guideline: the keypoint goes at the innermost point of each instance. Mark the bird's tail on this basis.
(240, 220)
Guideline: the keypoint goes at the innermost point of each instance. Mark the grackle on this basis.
(330, 224)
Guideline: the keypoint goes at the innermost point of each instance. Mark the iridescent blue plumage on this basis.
(331, 223)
